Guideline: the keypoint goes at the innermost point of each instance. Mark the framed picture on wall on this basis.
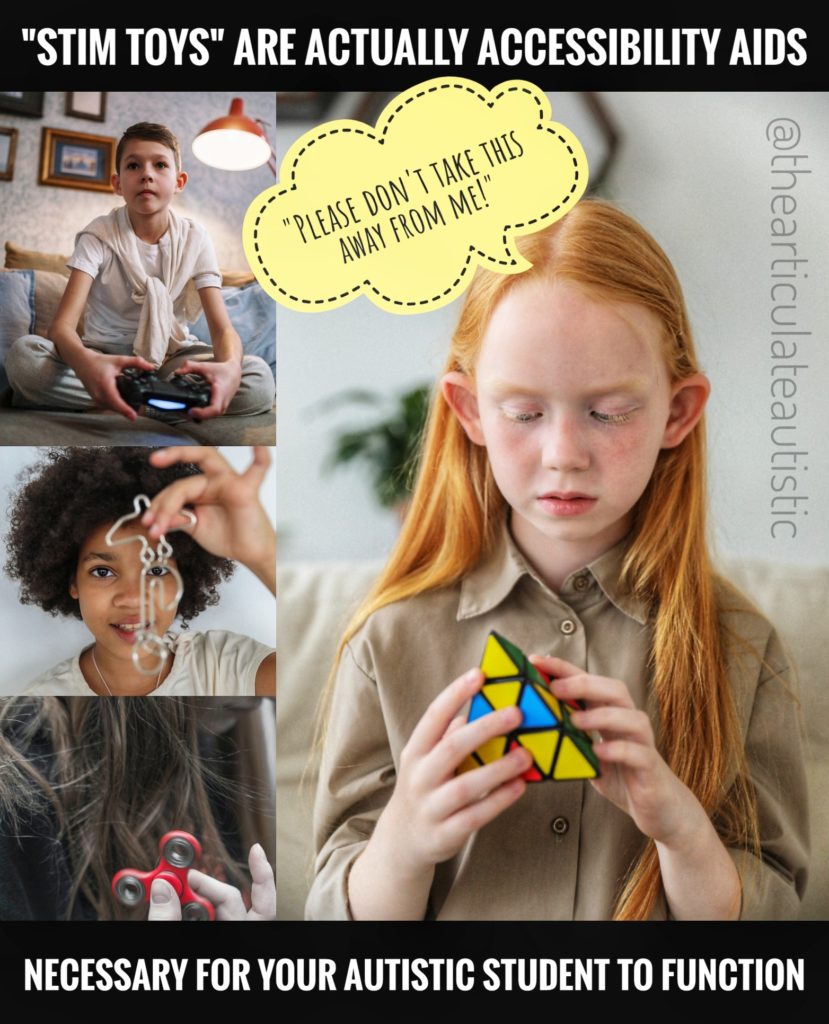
(89, 105)
(76, 160)
(30, 104)
(8, 144)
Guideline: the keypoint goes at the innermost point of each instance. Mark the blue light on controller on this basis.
(163, 403)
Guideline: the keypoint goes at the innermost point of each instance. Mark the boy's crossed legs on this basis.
(41, 380)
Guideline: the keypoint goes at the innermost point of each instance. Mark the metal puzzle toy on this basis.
(151, 593)
(559, 749)
(179, 852)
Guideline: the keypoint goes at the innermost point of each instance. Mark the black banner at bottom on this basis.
(460, 962)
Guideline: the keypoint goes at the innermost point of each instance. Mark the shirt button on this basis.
(581, 582)
(567, 627)
(559, 825)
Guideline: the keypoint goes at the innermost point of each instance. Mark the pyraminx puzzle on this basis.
(559, 749)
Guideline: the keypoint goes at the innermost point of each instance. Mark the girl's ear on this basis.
(460, 395)
(688, 400)
(73, 590)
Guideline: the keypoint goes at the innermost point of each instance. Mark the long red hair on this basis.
(456, 514)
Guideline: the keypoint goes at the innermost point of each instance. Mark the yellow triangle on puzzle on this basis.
(501, 695)
(550, 701)
(496, 662)
(542, 746)
(572, 764)
(492, 749)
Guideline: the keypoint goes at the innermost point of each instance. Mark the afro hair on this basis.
(72, 491)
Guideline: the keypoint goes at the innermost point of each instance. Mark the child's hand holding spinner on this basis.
(148, 643)
(178, 851)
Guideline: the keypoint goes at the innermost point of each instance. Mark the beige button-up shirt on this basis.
(562, 850)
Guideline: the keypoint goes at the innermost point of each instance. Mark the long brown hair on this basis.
(456, 514)
(115, 774)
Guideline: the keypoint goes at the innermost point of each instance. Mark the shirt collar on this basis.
(494, 577)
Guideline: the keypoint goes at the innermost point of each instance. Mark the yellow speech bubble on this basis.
(406, 211)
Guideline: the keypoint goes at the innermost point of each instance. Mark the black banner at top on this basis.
(286, 53)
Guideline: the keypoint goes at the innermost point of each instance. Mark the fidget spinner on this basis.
(179, 852)
(148, 643)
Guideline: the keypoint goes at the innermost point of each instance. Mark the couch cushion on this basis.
(49, 289)
(17, 312)
(253, 313)
(18, 258)
(315, 603)
(796, 600)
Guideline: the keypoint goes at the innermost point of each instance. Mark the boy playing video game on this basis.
(139, 275)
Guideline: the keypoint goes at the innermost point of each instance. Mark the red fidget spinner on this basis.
(179, 851)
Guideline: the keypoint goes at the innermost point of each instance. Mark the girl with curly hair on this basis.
(58, 551)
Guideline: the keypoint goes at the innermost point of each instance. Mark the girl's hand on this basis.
(433, 811)
(634, 775)
(230, 519)
(165, 905)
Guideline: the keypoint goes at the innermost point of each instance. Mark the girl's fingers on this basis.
(163, 513)
(625, 723)
(457, 723)
(573, 683)
(255, 473)
(593, 690)
(164, 902)
(556, 667)
(225, 898)
(474, 785)
(200, 455)
(263, 889)
(624, 752)
(476, 815)
(456, 746)
(437, 717)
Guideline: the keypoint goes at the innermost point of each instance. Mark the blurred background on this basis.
(695, 169)
(47, 217)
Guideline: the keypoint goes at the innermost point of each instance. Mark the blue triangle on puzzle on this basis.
(480, 706)
(535, 711)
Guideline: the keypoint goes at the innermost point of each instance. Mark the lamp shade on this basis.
(233, 143)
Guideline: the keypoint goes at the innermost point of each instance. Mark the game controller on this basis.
(180, 392)
(179, 852)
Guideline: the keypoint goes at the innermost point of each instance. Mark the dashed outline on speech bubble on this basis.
(515, 264)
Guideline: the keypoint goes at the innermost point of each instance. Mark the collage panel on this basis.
(151, 192)
(137, 418)
(137, 808)
(110, 592)
(395, 468)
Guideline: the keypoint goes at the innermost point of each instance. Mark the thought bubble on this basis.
(406, 211)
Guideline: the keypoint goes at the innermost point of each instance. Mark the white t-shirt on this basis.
(215, 663)
(111, 316)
